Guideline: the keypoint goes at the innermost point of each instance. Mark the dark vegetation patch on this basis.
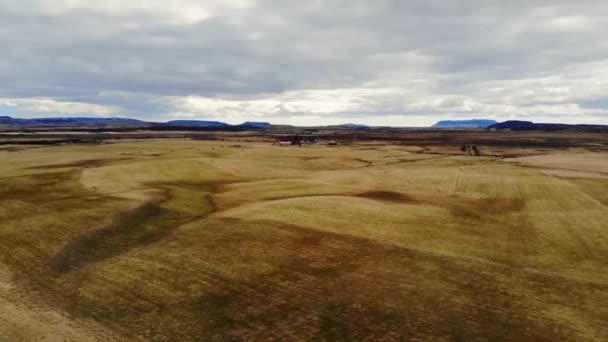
(41, 188)
(81, 163)
(144, 225)
(296, 283)
(327, 286)
(461, 207)
(321, 286)
(501, 205)
(419, 137)
(276, 198)
(364, 161)
(483, 207)
(55, 194)
(406, 160)
(18, 148)
(45, 212)
(388, 196)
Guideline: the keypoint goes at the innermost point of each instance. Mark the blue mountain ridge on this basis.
(475, 123)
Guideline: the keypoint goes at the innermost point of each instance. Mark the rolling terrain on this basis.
(181, 240)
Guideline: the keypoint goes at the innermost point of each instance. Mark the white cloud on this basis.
(177, 11)
(369, 106)
(49, 105)
(321, 60)
(302, 102)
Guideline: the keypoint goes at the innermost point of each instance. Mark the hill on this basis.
(352, 126)
(7, 122)
(475, 123)
(73, 122)
(256, 124)
(515, 125)
(197, 123)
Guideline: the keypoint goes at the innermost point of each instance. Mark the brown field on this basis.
(189, 240)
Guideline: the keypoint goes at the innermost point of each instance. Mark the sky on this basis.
(314, 62)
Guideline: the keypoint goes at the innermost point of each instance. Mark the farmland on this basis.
(178, 240)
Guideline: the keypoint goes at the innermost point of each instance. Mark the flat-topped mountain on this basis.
(73, 122)
(475, 123)
(197, 123)
(516, 125)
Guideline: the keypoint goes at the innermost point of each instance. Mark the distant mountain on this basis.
(101, 123)
(475, 123)
(73, 122)
(511, 124)
(197, 123)
(515, 125)
(9, 123)
(256, 124)
(352, 126)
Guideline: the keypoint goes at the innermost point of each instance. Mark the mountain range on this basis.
(85, 122)
(516, 125)
(7, 122)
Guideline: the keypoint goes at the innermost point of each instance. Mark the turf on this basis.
(175, 240)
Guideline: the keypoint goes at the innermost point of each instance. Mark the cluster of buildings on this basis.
(299, 140)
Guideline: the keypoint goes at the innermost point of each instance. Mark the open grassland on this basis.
(178, 240)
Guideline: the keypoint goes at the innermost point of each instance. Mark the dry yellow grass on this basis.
(572, 160)
(191, 240)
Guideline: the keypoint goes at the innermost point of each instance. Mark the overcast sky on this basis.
(380, 62)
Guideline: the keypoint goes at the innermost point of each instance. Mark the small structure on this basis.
(327, 142)
(470, 150)
(299, 140)
(283, 143)
(295, 140)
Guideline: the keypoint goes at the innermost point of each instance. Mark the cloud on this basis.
(176, 11)
(31, 106)
(302, 103)
(283, 61)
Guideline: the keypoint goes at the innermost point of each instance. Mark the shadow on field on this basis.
(459, 207)
(146, 224)
(467, 208)
(79, 164)
(232, 279)
(331, 287)
(389, 196)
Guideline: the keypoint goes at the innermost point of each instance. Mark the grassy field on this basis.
(179, 240)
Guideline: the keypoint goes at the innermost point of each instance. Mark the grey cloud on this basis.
(439, 53)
